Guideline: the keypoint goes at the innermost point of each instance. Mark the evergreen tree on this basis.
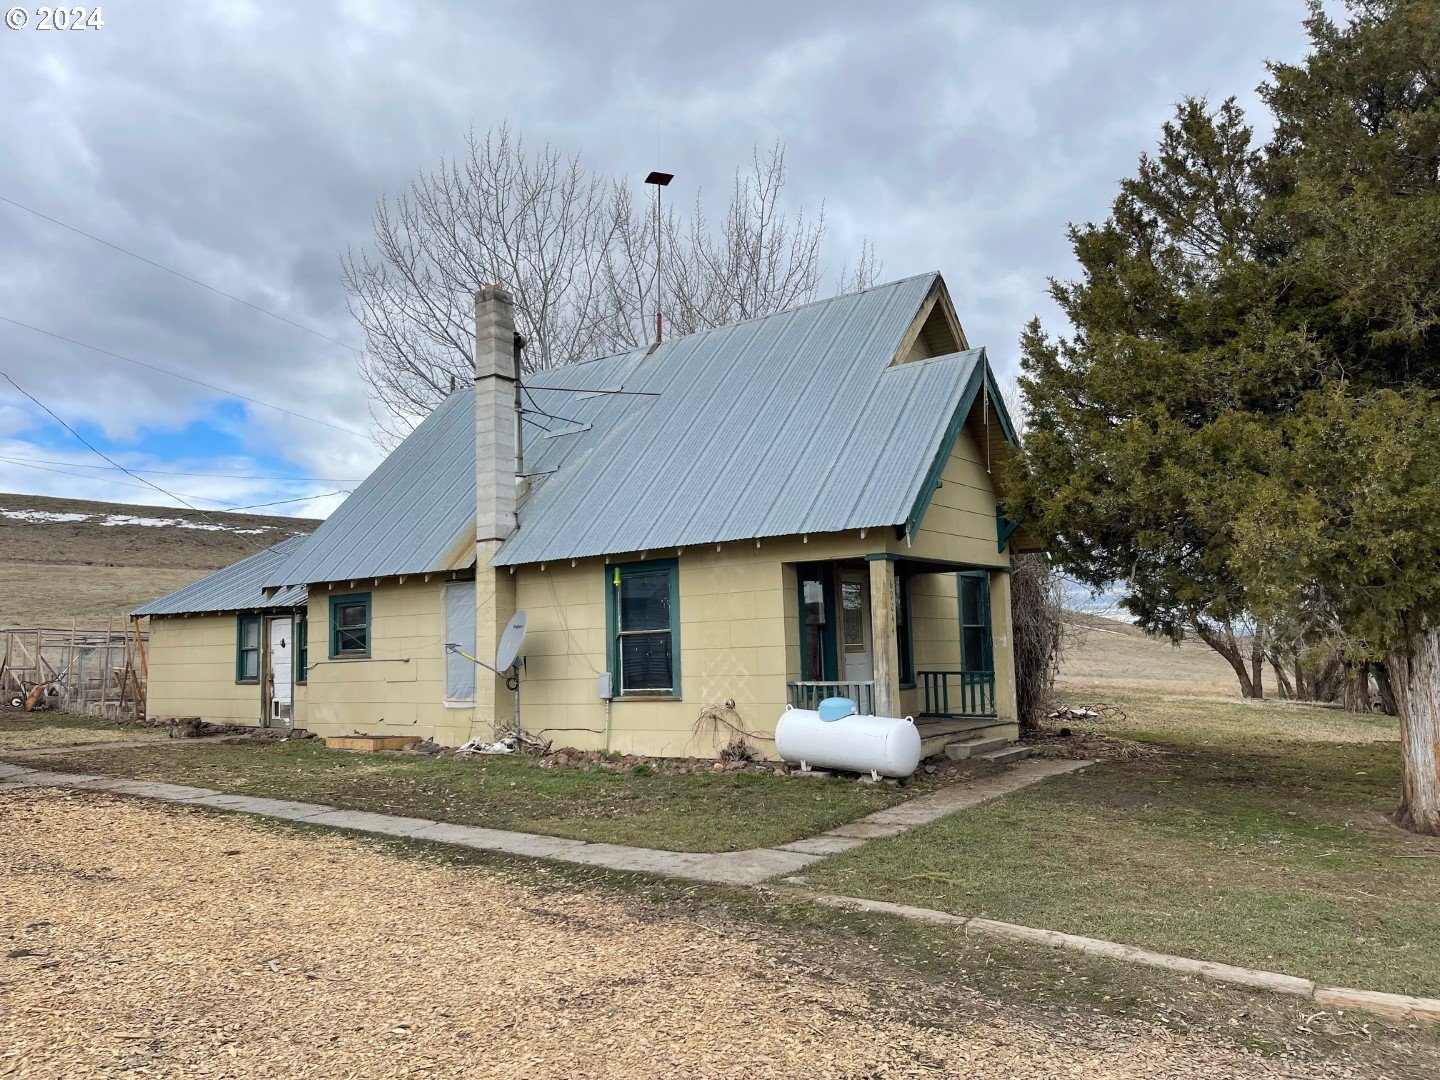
(1245, 419)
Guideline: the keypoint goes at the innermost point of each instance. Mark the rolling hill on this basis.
(1102, 652)
(71, 558)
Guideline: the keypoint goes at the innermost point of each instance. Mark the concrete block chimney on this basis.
(497, 463)
(496, 434)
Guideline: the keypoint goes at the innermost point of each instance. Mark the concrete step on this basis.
(968, 748)
(1007, 756)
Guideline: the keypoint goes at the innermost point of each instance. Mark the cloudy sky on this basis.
(244, 144)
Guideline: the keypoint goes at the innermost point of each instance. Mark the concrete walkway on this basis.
(726, 868)
(1400, 1007)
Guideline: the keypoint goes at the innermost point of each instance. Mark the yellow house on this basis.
(700, 532)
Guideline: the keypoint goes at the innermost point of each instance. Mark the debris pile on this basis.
(1101, 711)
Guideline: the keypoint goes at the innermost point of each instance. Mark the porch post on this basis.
(884, 631)
(1002, 646)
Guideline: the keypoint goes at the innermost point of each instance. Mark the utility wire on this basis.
(100, 453)
(284, 502)
(187, 378)
(175, 472)
(182, 276)
(200, 498)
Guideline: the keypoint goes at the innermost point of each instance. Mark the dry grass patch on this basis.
(45, 736)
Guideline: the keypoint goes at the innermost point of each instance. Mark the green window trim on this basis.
(302, 648)
(247, 673)
(615, 573)
(344, 602)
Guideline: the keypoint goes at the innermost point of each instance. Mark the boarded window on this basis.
(460, 631)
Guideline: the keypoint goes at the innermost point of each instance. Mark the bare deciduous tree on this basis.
(578, 252)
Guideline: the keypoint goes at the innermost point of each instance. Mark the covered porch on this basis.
(903, 637)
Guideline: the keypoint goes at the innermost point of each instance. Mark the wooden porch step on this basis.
(968, 748)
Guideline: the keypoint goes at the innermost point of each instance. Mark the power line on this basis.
(219, 506)
(100, 453)
(182, 276)
(177, 472)
(284, 502)
(187, 378)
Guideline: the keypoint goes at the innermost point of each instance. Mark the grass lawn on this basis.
(1247, 834)
(706, 812)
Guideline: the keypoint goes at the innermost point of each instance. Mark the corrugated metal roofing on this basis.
(237, 587)
(793, 423)
(414, 514)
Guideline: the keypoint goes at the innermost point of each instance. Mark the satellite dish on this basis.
(510, 642)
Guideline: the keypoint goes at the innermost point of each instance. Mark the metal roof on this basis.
(793, 423)
(414, 514)
(237, 587)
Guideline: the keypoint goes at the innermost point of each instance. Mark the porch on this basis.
(900, 637)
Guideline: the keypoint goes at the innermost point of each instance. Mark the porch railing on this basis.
(808, 695)
(958, 693)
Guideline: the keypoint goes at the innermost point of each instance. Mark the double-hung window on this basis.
(247, 649)
(975, 646)
(350, 625)
(643, 622)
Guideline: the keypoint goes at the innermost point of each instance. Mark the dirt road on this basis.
(161, 941)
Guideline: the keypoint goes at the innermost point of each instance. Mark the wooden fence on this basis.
(95, 672)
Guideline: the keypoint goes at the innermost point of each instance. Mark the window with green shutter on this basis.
(643, 622)
(247, 649)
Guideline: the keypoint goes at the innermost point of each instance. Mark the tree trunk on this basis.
(1257, 667)
(1383, 688)
(1223, 642)
(1415, 680)
(1282, 681)
(1327, 685)
(1357, 690)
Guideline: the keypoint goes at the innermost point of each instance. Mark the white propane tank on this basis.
(887, 745)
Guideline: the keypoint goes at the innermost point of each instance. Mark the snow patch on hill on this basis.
(49, 517)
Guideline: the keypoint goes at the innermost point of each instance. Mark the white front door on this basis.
(282, 672)
(856, 663)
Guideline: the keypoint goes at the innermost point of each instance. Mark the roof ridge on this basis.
(742, 322)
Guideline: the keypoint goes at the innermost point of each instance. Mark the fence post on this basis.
(105, 670)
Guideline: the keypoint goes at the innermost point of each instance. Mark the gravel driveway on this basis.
(162, 941)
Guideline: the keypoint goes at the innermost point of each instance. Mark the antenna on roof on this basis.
(660, 180)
